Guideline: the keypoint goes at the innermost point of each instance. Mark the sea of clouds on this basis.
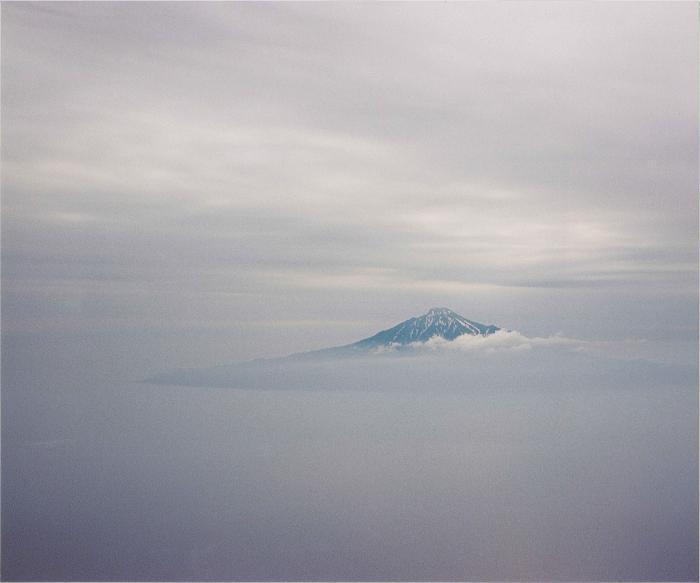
(503, 360)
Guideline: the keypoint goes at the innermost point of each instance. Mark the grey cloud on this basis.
(351, 152)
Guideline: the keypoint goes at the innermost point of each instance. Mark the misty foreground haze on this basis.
(516, 464)
(190, 186)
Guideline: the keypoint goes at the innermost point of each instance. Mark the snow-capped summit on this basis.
(440, 322)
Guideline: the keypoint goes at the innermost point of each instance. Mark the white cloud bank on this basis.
(503, 340)
(511, 341)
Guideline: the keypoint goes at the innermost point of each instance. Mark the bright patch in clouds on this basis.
(503, 340)
(511, 341)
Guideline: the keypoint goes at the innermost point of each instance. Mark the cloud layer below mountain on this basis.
(499, 361)
(500, 341)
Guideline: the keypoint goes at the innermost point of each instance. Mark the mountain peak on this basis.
(435, 311)
(437, 322)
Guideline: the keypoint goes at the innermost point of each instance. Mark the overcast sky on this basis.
(211, 182)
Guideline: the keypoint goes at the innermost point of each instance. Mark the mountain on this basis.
(440, 322)
(436, 323)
